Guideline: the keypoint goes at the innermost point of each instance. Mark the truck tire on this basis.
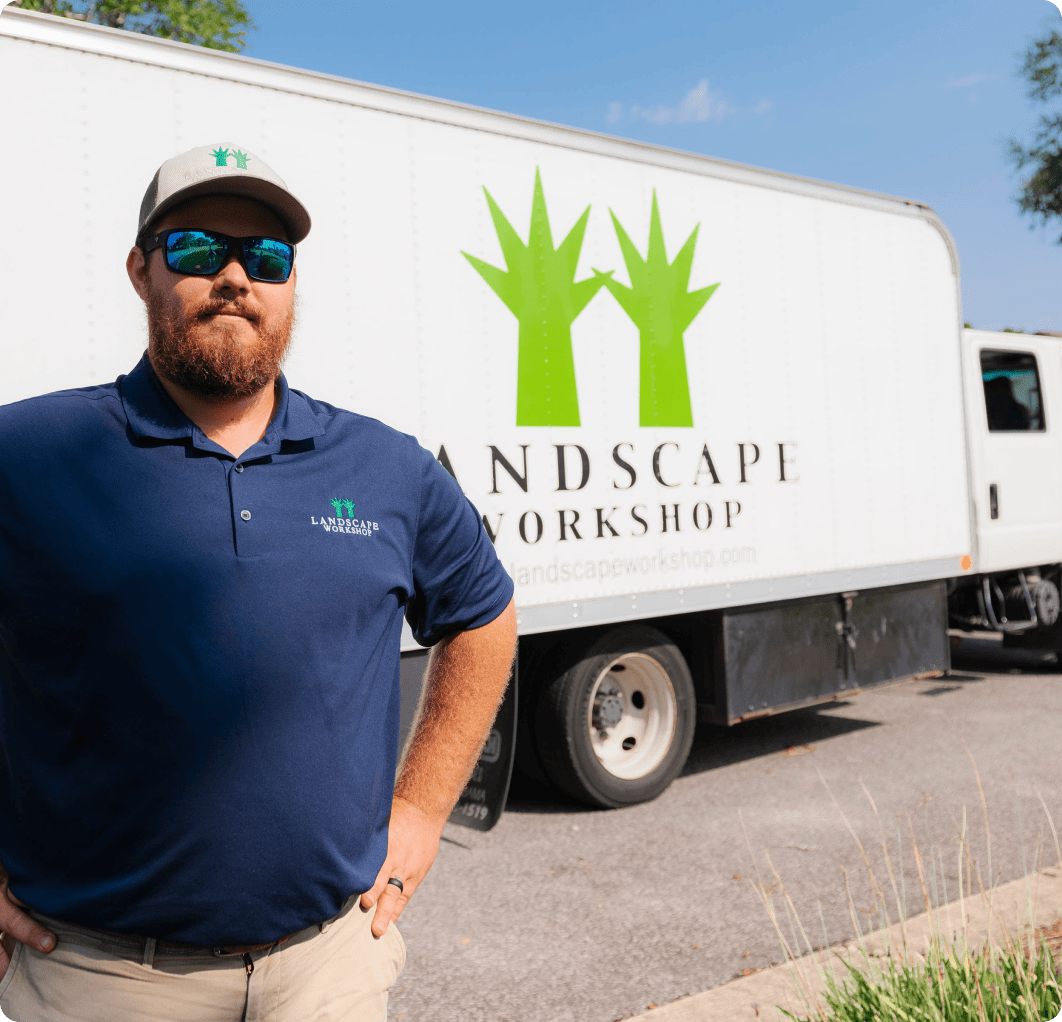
(615, 728)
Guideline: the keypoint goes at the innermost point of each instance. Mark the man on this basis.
(198, 682)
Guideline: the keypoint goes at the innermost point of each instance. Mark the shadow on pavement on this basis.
(716, 746)
(528, 795)
(989, 656)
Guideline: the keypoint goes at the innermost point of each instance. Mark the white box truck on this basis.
(722, 424)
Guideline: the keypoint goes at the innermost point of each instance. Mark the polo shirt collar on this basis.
(293, 418)
(149, 409)
(152, 413)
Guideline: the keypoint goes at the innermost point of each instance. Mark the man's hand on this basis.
(17, 926)
(412, 843)
(466, 678)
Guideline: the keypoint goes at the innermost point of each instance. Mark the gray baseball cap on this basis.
(224, 169)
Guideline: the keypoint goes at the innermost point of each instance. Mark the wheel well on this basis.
(544, 655)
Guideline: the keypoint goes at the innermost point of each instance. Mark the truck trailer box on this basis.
(712, 416)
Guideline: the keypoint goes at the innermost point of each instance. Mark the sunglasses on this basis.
(203, 253)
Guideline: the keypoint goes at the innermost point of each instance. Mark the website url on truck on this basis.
(606, 569)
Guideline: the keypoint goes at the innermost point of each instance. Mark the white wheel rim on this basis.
(639, 741)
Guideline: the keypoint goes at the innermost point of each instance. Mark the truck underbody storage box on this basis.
(801, 652)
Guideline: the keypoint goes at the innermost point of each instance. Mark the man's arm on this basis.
(466, 678)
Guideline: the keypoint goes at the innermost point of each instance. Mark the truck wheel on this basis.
(616, 727)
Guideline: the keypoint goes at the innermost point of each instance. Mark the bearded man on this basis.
(199, 693)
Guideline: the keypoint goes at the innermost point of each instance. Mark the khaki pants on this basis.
(331, 972)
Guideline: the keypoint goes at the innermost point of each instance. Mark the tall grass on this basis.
(1009, 977)
(948, 985)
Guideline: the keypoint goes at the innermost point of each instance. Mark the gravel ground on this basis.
(563, 913)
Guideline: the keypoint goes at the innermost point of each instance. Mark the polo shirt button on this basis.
(239, 468)
(245, 515)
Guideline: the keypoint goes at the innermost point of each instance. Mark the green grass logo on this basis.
(539, 288)
(661, 307)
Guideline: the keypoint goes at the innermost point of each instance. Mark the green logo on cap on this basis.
(222, 157)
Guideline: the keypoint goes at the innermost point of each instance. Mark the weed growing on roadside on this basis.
(1007, 978)
(997, 985)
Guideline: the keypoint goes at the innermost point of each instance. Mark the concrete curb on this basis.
(1009, 909)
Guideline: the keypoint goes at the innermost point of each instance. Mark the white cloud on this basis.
(970, 80)
(700, 104)
(614, 112)
(764, 106)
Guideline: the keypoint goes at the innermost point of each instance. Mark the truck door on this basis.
(1015, 412)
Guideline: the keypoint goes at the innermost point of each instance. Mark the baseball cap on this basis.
(223, 169)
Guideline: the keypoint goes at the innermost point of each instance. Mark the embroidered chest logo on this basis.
(351, 524)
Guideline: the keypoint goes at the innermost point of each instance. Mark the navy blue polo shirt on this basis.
(199, 693)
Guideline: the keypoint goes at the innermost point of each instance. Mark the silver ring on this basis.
(397, 883)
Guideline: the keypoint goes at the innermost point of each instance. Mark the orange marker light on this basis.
(966, 563)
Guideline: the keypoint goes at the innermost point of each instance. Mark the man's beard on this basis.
(204, 356)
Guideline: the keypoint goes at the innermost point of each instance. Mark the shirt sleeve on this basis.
(458, 581)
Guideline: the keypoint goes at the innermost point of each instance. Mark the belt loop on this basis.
(149, 951)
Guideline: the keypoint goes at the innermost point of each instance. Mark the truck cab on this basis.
(1013, 384)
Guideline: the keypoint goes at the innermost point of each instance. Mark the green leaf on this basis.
(215, 24)
(1041, 190)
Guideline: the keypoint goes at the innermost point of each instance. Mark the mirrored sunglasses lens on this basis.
(269, 259)
(195, 252)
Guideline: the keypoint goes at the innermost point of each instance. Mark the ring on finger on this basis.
(395, 882)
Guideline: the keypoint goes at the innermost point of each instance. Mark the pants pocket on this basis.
(12, 967)
(394, 949)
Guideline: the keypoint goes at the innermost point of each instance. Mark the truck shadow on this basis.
(714, 746)
(974, 660)
(793, 732)
(989, 656)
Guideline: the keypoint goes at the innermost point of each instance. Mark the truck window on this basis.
(1012, 392)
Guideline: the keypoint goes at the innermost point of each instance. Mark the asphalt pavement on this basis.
(576, 915)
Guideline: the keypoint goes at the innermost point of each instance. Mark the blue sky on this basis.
(911, 98)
